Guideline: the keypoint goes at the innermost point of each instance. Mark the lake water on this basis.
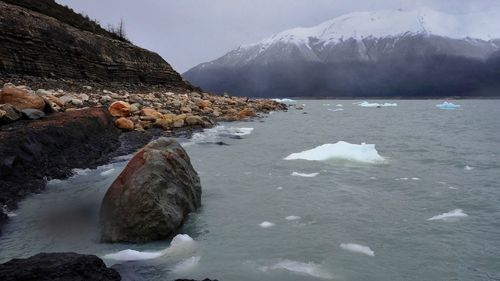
(336, 219)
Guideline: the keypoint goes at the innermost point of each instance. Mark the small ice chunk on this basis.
(468, 168)
(303, 268)
(339, 105)
(266, 224)
(311, 175)
(453, 188)
(292, 218)
(356, 248)
(337, 109)
(279, 188)
(368, 104)
(341, 150)
(450, 216)
(107, 172)
(415, 179)
(448, 105)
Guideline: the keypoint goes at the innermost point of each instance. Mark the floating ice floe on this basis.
(337, 109)
(107, 172)
(266, 224)
(341, 150)
(450, 216)
(356, 248)
(186, 265)
(286, 101)
(180, 244)
(448, 105)
(292, 218)
(374, 104)
(311, 175)
(303, 268)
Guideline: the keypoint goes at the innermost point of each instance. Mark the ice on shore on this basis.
(450, 216)
(302, 268)
(180, 244)
(341, 150)
(311, 175)
(374, 104)
(266, 224)
(448, 105)
(285, 101)
(356, 248)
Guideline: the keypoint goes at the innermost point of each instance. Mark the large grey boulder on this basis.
(153, 195)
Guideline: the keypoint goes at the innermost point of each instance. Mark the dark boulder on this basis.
(153, 195)
(57, 267)
(33, 114)
(8, 114)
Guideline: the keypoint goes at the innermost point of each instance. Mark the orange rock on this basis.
(247, 112)
(147, 111)
(203, 103)
(21, 99)
(119, 109)
(124, 123)
(194, 120)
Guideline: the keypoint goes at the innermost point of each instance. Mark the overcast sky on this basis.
(189, 32)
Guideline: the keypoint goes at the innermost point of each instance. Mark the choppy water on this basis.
(351, 221)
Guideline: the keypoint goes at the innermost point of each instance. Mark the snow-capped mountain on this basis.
(357, 43)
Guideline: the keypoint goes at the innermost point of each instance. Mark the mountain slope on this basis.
(418, 53)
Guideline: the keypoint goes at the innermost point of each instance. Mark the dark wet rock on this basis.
(3, 219)
(196, 280)
(58, 267)
(8, 114)
(153, 195)
(33, 151)
(33, 114)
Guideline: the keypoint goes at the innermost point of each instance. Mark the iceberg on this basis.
(356, 248)
(368, 104)
(365, 153)
(450, 216)
(285, 101)
(181, 243)
(310, 269)
(448, 105)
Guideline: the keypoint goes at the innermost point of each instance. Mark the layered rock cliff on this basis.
(36, 44)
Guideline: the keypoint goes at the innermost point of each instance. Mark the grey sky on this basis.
(189, 32)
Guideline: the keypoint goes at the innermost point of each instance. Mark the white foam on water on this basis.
(81, 172)
(285, 101)
(468, 168)
(214, 134)
(341, 150)
(339, 105)
(311, 175)
(182, 243)
(401, 179)
(453, 188)
(292, 218)
(373, 178)
(279, 188)
(107, 172)
(186, 265)
(450, 216)
(303, 268)
(266, 224)
(337, 109)
(374, 104)
(326, 104)
(448, 105)
(415, 179)
(357, 248)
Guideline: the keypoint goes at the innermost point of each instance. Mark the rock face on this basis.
(33, 151)
(39, 45)
(153, 195)
(58, 267)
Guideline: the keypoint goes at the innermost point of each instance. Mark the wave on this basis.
(311, 175)
(310, 269)
(450, 216)
(357, 248)
(186, 265)
(180, 244)
(341, 150)
(107, 172)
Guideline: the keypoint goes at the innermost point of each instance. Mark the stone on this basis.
(185, 109)
(124, 123)
(21, 98)
(105, 98)
(33, 114)
(119, 109)
(58, 267)
(194, 120)
(76, 102)
(11, 114)
(152, 196)
(178, 123)
(150, 112)
(84, 97)
(246, 113)
(203, 103)
(66, 99)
